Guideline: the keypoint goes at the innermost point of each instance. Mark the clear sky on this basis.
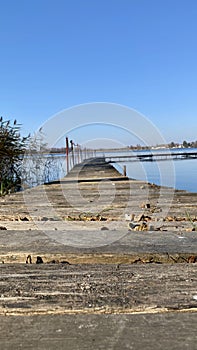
(140, 53)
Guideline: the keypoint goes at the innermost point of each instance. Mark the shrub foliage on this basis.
(12, 149)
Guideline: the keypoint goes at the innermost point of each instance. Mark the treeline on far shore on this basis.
(185, 144)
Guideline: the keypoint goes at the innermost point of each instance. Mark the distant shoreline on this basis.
(120, 149)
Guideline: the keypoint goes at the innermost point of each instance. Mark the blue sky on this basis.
(56, 54)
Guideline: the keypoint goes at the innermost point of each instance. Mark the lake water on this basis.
(184, 177)
(179, 174)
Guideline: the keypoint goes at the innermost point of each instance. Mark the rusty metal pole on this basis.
(72, 150)
(67, 155)
(125, 170)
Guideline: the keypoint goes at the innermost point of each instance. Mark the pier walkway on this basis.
(116, 264)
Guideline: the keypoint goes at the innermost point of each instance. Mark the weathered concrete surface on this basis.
(114, 276)
(127, 247)
(104, 332)
(85, 214)
(108, 288)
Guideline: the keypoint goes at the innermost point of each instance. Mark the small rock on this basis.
(104, 228)
(190, 229)
(133, 225)
(39, 260)
(101, 218)
(143, 217)
(145, 205)
(3, 228)
(169, 218)
(192, 259)
(24, 218)
(58, 331)
(129, 217)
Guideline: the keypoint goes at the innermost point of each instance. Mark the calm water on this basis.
(180, 174)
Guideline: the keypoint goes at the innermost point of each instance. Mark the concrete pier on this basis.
(119, 264)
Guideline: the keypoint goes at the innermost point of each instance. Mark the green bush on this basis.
(12, 149)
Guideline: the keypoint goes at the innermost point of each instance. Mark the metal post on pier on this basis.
(72, 150)
(67, 155)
